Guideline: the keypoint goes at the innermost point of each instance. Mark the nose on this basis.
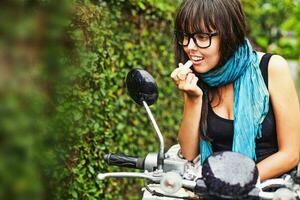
(192, 44)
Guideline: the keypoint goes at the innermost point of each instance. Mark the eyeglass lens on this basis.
(201, 39)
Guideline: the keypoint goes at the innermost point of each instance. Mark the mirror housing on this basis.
(141, 87)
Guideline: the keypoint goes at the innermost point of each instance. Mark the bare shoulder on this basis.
(277, 65)
(280, 78)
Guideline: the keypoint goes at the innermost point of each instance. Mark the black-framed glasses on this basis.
(202, 40)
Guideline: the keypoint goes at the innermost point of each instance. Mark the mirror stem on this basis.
(160, 137)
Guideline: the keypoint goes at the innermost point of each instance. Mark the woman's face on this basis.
(204, 59)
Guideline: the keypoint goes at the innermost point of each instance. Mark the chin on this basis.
(200, 69)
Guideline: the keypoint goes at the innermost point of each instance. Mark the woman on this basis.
(234, 98)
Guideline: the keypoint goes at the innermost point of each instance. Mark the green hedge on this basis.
(32, 47)
(63, 98)
(112, 37)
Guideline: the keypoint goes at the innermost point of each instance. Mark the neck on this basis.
(217, 95)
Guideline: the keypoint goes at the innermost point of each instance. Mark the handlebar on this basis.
(189, 180)
(124, 161)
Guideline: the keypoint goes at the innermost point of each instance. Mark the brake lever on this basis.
(153, 176)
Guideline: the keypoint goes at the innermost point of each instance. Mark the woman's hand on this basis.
(186, 81)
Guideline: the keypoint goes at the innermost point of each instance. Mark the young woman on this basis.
(234, 97)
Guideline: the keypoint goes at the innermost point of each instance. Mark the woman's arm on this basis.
(285, 104)
(188, 135)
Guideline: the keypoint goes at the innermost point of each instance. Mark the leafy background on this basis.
(62, 94)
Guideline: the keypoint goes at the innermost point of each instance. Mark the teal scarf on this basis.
(251, 99)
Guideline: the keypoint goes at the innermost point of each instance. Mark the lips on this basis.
(196, 59)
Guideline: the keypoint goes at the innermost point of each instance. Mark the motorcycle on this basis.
(168, 176)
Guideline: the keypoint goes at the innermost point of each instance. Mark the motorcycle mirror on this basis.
(141, 87)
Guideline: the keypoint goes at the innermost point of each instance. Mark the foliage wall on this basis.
(113, 37)
(66, 106)
(63, 101)
(32, 47)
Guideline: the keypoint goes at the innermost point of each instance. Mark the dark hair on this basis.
(224, 16)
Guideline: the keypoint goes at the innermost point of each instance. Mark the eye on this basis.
(185, 36)
(201, 37)
(182, 38)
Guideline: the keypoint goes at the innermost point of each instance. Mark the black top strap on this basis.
(264, 62)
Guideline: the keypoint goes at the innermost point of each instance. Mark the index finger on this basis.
(187, 65)
(185, 69)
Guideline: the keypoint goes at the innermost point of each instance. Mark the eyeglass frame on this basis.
(191, 35)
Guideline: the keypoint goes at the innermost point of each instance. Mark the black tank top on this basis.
(220, 130)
